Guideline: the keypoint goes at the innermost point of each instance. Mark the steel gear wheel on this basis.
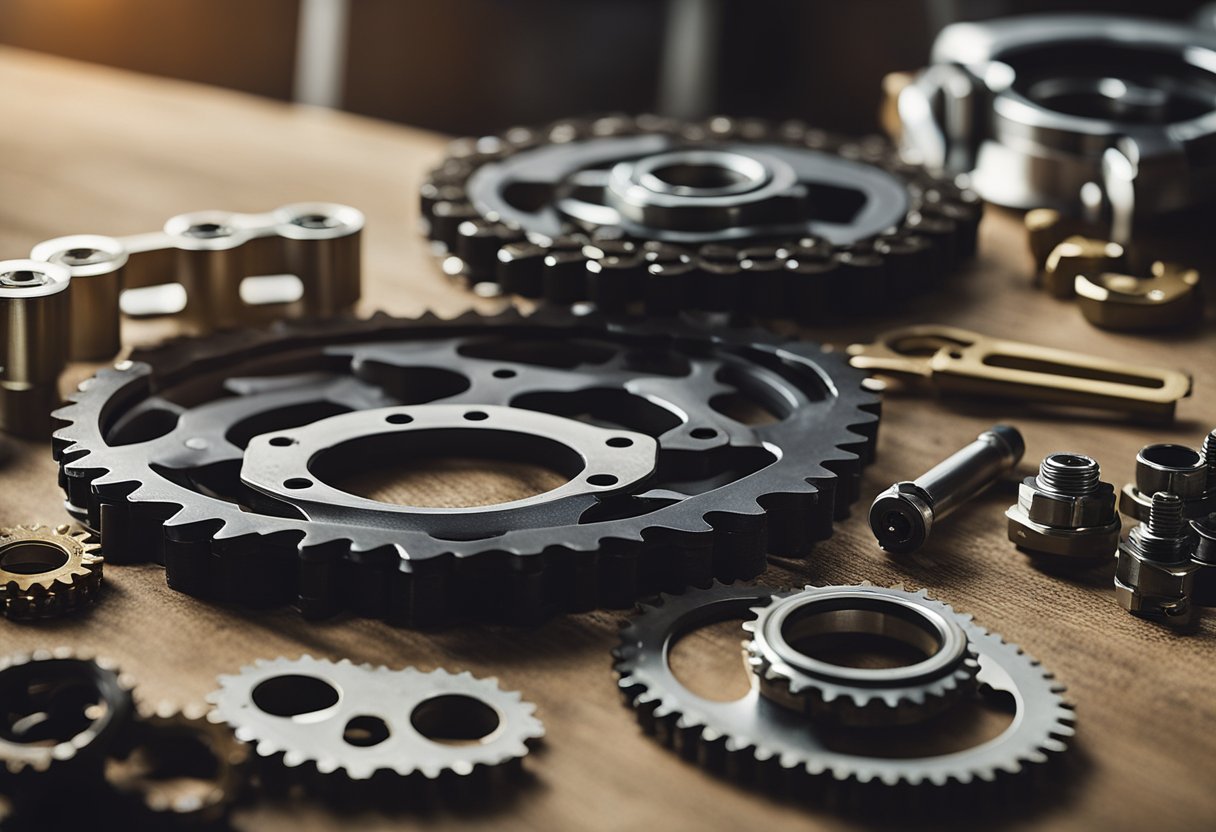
(778, 220)
(760, 443)
(319, 717)
(167, 742)
(756, 739)
(61, 714)
(861, 696)
(47, 572)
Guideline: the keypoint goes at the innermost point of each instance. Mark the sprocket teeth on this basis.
(664, 708)
(158, 520)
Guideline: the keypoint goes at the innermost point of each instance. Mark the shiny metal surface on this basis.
(1037, 108)
(903, 516)
(33, 343)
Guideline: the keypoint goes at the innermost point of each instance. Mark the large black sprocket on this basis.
(150, 455)
(846, 228)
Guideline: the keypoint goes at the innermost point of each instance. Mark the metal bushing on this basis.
(210, 265)
(321, 244)
(96, 264)
(34, 343)
(1066, 511)
(786, 633)
(1177, 469)
(1155, 574)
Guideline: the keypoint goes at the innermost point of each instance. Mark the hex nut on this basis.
(1151, 589)
(1083, 543)
(1065, 511)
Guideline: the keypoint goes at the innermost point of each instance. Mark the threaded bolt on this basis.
(1074, 475)
(1163, 537)
(1165, 516)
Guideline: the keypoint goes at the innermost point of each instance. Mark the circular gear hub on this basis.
(757, 739)
(688, 454)
(789, 673)
(47, 572)
(356, 720)
(778, 220)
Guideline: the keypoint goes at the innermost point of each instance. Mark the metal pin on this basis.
(903, 515)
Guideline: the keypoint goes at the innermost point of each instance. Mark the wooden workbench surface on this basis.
(86, 149)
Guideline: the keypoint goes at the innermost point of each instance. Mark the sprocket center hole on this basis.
(32, 557)
(449, 468)
(863, 638)
(708, 662)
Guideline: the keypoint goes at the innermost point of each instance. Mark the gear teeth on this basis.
(785, 757)
(297, 753)
(212, 550)
(58, 587)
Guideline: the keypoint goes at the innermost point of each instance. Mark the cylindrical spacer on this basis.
(903, 515)
(96, 264)
(34, 347)
(322, 246)
(210, 266)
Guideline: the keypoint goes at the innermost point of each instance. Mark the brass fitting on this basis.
(1065, 512)
(1155, 575)
(1177, 469)
(1079, 255)
(34, 345)
(1169, 299)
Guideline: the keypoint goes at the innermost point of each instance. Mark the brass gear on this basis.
(46, 572)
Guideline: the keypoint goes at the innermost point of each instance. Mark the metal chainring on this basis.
(151, 455)
(322, 742)
(757, 739)
(778, 220)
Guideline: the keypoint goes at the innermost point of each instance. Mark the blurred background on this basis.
(478, 66)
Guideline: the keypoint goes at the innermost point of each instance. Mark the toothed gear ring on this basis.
(689, 452)
(779, 220)
(754, 738)
(61, 714)
(357, 720)
(791, 675)
(46, 572)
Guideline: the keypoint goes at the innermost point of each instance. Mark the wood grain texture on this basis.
(117, 153)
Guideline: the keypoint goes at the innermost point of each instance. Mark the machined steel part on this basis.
(213, 269)
(33, 349)
(1155, 573)
(1085, 113)
(1177, 469)
(359, 721)
(777, 219)
(762, 741)
(166, 743)
(1066, 513)
(1204, 559)
(903, 515)
(789, 674)
(690, 454)
(61, 715)
(46, 572)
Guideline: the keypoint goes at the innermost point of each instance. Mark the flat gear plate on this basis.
(757, 445)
